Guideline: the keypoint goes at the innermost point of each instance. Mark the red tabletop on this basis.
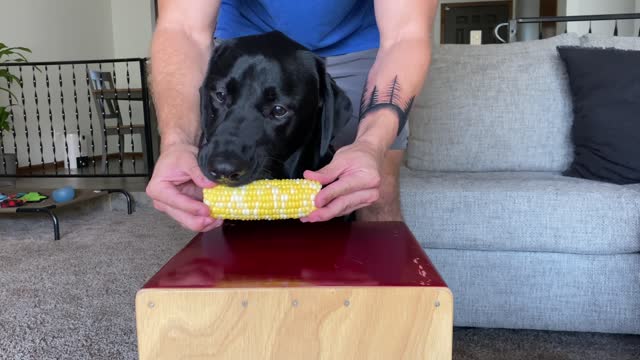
(291, 253)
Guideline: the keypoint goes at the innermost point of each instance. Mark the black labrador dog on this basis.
(269, 110)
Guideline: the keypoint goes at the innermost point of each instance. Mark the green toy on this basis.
(33, 197)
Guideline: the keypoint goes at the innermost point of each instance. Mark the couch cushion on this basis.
(494, 108)
(604, 41)
(526, 211)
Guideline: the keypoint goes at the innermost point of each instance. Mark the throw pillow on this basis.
(605, 88)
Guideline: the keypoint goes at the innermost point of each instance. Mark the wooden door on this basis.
(459, 19)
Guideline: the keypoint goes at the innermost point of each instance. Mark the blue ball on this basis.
(63, 194)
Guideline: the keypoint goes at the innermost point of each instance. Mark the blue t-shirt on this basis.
(327, 27)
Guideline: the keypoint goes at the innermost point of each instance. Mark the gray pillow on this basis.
(494, 108)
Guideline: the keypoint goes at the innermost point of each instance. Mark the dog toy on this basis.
(33, 197)
(263, 200)
(17, 195)
(63, 194)
(11, 203)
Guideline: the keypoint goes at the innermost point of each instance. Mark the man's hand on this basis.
(357, 170)
(176, 188)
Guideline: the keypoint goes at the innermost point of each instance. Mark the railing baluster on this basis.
(133, 150)
(539, 31)
(64, 121)
(105, 138)
(91, 132)
(35, 97)
(116, 108)
(24, 118)
(53, 133)
(5, 168)
(148, 151)
(13, 130)
(615, 30)
(75, 102)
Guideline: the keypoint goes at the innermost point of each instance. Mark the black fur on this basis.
(246, 78)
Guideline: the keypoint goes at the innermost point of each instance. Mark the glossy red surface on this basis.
(266, 254)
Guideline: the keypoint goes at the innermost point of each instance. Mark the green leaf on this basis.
(14, 51)
(20, 56)
(4, 116)
(4, 113)
(4, 73)
(10, 93)
(21, 49)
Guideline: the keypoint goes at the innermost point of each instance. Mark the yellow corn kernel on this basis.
(263, 200)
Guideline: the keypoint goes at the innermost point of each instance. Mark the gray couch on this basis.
(520, 245)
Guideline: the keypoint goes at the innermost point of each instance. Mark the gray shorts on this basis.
(350, 73)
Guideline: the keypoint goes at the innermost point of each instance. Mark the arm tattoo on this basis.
(389, 99)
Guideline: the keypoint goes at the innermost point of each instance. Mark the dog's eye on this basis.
(279, 111)
(221, 96)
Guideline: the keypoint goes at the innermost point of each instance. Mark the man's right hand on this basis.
(176, 188)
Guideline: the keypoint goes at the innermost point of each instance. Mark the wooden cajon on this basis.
(288, 290)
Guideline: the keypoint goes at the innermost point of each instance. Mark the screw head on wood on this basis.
(347, 303)
(151, 304)
(437, 303)
(245, 303)
(294, 303)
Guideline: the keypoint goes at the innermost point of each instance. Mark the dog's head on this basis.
(268, 110)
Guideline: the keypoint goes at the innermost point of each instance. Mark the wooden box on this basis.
(287, 290)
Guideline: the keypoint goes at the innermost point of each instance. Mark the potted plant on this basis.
(8, 55)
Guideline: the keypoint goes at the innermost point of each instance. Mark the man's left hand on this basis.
(354, 180)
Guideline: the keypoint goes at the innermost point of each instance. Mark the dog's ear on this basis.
(336, 108)
(206, 113)
(220, 51)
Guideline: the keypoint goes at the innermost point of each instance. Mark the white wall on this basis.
(71, 30)
(437, 23)
(132, 23)
(562, 11)
(132, 26)
(59, 30)
(598, 7)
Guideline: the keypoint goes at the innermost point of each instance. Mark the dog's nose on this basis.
(225, 170)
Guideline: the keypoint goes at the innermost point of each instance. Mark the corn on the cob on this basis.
(263, 200)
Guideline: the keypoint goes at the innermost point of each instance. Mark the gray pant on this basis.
(350, 73)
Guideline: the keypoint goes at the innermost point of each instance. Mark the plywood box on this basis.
(286, 290)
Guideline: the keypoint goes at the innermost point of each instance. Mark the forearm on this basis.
(179, 62)
(395, 79)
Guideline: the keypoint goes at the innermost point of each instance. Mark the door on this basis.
(460, 19)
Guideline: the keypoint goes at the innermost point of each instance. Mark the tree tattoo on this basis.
(391, 98)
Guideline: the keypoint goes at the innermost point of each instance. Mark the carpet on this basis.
(74, 298)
